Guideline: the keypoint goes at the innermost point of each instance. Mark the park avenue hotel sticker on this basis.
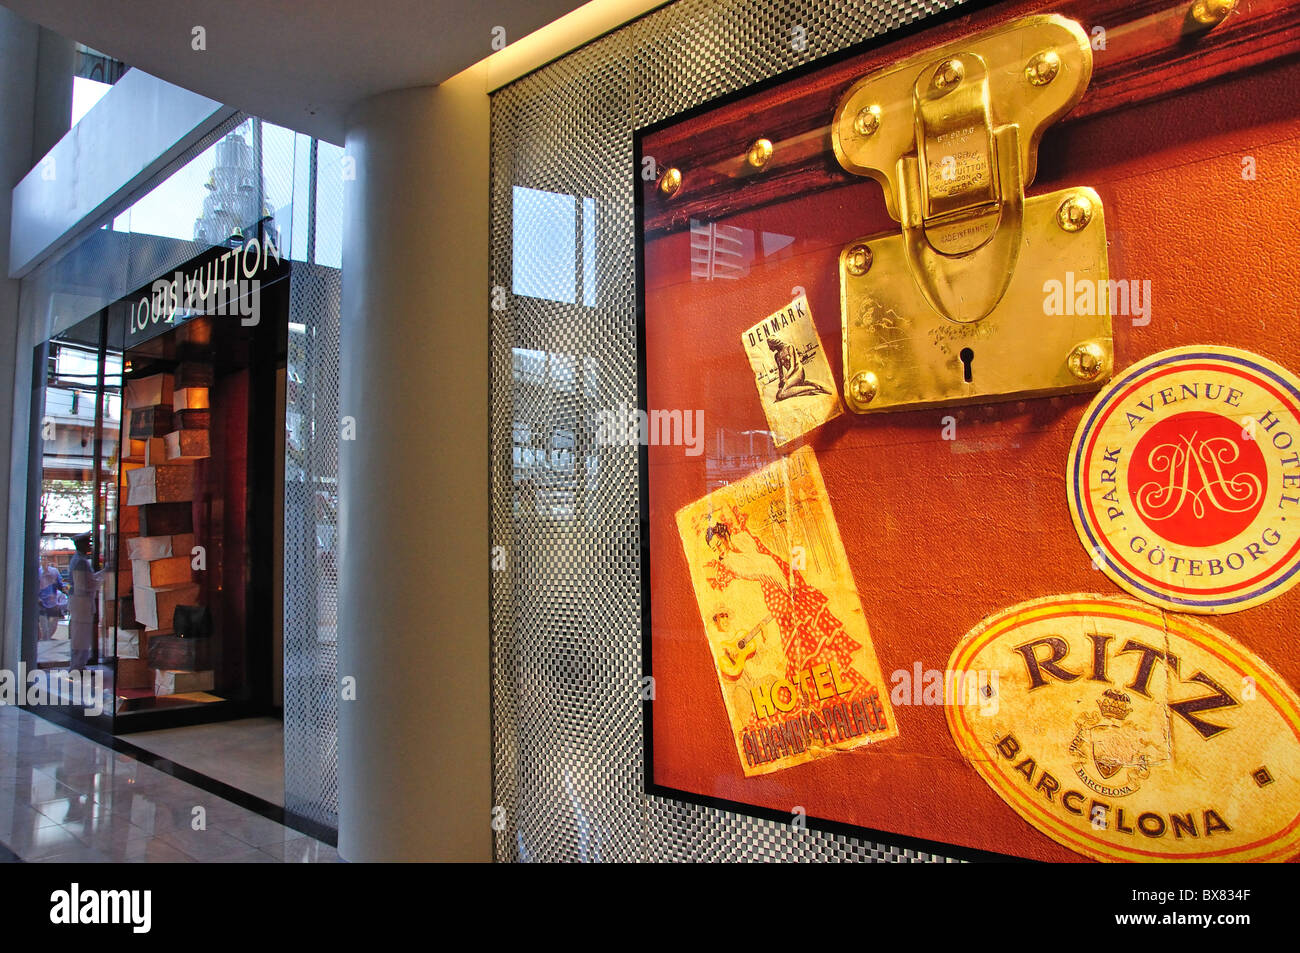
(1184, 479)
(1126, 733)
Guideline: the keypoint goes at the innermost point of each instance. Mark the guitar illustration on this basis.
(736, 654)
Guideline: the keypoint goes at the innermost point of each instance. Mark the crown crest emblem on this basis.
(1114, 704)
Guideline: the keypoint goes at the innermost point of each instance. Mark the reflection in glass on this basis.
(75, 591)
(726, 252)
(554, 246)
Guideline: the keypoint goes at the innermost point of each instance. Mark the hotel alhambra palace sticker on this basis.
(795, 663)
(1184, 480)
(1126, 733)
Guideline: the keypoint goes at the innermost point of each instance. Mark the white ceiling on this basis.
(297, 63)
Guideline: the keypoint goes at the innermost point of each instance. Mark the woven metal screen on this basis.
(311, 692)
(311, 757)
(566, 614)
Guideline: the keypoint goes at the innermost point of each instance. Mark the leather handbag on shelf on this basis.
(192, 622)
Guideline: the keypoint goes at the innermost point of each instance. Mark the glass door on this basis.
(70, 657)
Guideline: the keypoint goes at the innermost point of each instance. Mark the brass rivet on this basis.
(864, 387)
(670, 182)
(948, 75)
(1042, 69)
(1075, 213)
(858, 260)
(867, 121)
(760, 151)
(1211, 12)
(1086, 361)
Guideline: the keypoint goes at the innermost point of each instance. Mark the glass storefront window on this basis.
(247, 179)
(156, 480)
(77, 444)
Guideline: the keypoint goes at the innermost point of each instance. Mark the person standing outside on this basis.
(81, 602)
(52, 596)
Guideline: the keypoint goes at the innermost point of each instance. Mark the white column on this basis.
(415, 744)
(23, 108)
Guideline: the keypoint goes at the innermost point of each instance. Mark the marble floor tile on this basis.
(250, 855)
(302, 850)
(41, 842)
(247, 754)
(80, 854)
(205, 845)
(23, 817)
(64, 798)
(152, 850)
(255, 830)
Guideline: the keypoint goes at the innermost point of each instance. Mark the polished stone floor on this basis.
(65, 798)
(247, 754)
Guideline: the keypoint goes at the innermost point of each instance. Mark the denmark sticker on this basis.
(1127, 733)
(1184, 480)
(793, 377)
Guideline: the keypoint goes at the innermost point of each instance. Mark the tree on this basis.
(65, 501)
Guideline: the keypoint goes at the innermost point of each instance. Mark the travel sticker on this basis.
(1184, 479)
(1127, 733)
(785, 628)
(791, 372)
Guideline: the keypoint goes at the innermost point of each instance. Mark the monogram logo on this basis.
(1199, 462)
(1196, 480)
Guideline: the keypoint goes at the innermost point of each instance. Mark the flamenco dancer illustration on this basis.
(809, 630)
(791, 381)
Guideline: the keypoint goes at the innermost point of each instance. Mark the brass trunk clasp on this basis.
(952, 309)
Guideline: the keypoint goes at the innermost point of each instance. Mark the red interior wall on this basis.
(228, 499)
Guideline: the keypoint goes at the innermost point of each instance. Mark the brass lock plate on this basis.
(959, 306)
(900, 354)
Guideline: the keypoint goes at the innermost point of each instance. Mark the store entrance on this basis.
(156, 488)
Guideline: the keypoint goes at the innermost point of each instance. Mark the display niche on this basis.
(195, 573)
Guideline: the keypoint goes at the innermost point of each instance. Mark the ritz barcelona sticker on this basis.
(1128, 734)
(785, 628)
(1184, 480)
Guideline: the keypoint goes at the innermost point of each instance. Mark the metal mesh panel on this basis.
(311, 682)
(311, 695)
(566, 615)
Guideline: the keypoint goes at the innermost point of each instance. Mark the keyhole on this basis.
(967, 359)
